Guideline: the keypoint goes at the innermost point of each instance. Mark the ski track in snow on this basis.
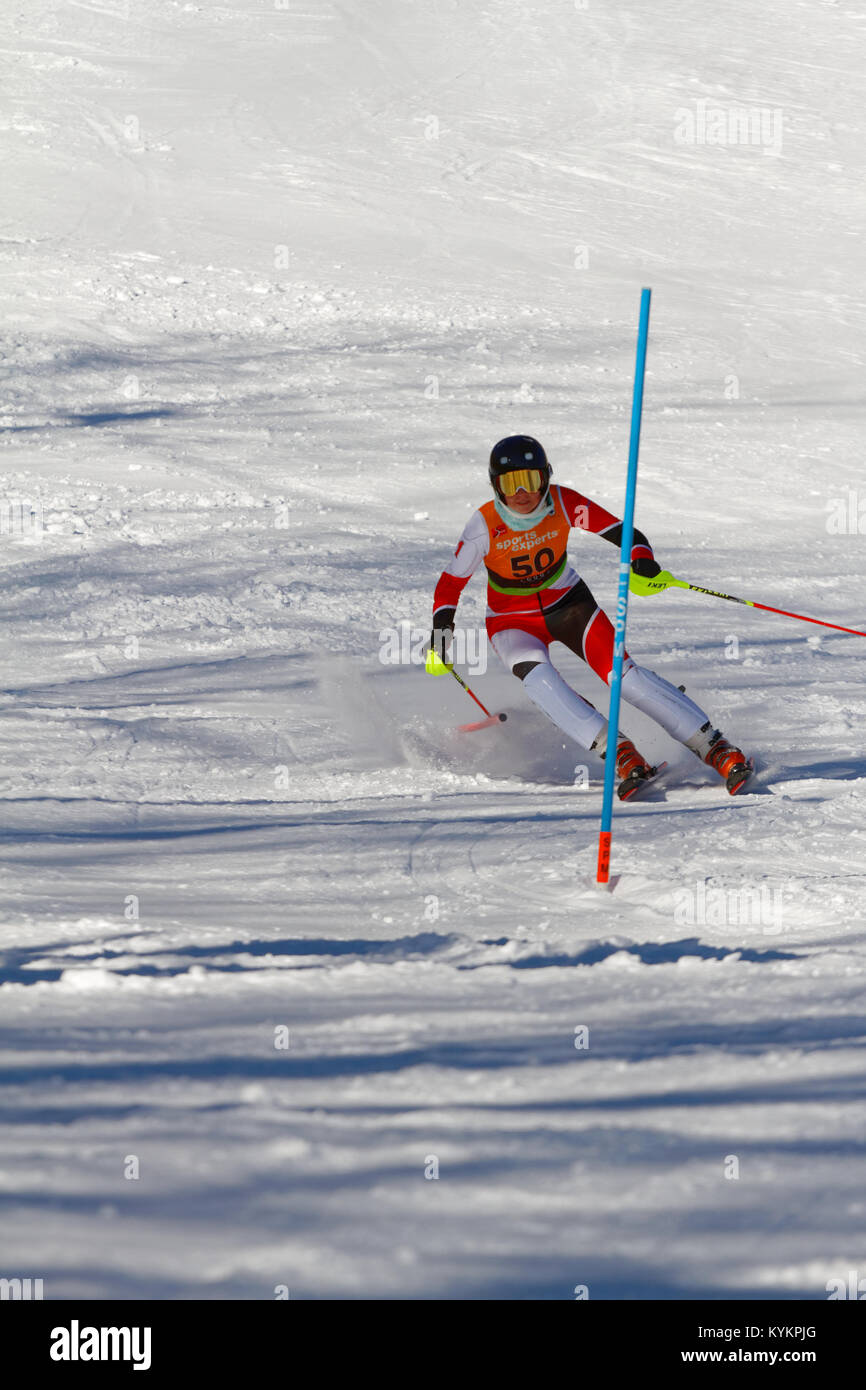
(273, 282)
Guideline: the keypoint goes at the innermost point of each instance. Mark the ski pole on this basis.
(665, 580)
(437, 667)
(482, 723)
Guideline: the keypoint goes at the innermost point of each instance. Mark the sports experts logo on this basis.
(76, 1343)
(525, 542)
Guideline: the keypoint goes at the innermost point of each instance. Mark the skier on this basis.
(535, 597)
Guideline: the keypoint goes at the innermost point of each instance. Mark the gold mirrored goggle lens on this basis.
(527, 478)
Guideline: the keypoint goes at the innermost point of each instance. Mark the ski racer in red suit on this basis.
(535, 597)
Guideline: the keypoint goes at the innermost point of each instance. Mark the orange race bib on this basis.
(522, 562)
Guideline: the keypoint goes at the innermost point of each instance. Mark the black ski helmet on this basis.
(518, 451)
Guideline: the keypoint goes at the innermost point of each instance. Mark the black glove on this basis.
(443, 632)
(440, 641)
(645, 567)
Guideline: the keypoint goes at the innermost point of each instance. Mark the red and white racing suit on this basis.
(535, 597)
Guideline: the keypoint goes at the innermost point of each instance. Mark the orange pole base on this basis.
(603, 872)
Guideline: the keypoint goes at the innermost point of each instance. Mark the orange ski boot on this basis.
(632, 769)
(729, 762)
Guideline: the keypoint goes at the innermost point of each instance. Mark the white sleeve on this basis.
(471, 548)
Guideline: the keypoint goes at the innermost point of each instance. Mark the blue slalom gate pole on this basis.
(604, 839)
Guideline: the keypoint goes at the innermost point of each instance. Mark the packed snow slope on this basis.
(303, 990)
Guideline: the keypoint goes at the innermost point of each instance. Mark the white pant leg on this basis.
(513, 646)
(675, 712)
(546, 687)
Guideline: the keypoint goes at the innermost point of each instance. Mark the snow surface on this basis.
(275, 278)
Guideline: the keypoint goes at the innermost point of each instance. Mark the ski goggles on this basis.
(529, 479)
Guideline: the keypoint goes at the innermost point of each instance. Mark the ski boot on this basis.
(631, 769)
(729, 762)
